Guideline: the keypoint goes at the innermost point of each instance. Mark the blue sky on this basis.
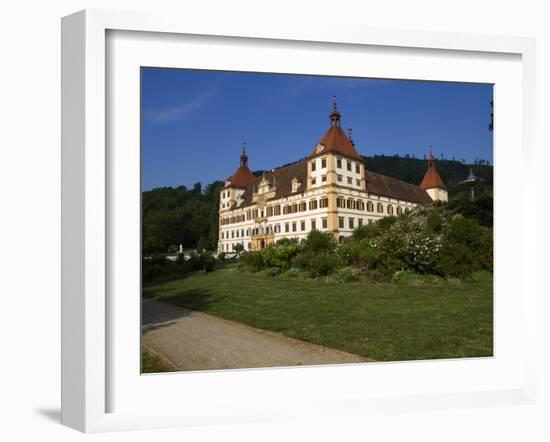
(194, 122)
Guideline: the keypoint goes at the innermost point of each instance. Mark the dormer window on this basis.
(295, 184)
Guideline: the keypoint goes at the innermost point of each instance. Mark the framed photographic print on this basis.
(251, 213)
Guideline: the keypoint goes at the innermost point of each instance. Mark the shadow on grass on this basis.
(163, 310)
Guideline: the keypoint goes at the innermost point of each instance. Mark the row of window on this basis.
(339, 178)
(313, 204)
(276, 211)
(350, 165)
(351, 222)
(294, 226)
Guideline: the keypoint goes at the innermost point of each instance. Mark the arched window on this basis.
(390, 209)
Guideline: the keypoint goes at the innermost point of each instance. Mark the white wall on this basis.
(30, 221)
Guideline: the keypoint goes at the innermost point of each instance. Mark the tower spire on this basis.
(431, 158)
(335, 115)
(244, 157)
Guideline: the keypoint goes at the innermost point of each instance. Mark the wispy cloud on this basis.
(180, 111)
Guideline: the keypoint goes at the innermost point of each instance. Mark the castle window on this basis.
(324, 223)
(294, 226)
(340, 202)
(350, 179)
(303, 225)
(323, 163)
(313, 164)
(360, 221)
(360, 205)
(313, 205)
(303, 207)
(339, 163)
(351, 223)
(323, 203)
(390, 209)
(350, 204)
(270, 211)
(242, 232)
(358, 182)
(294, 208)
(237, 233)
(232, 234)
(357, 168)
(312, 224)
(324, 179)
(341, 222)
(313, 181)
(249, 246)
(287, 227)
(277, 210)
(399, 210)
(379, 208)
(339, 178)
(370, 221)
(349, 166)
(370, 206)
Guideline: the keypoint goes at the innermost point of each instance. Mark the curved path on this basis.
(190, 340)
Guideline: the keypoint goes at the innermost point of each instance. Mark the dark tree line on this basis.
(174, 216)
(452, 172)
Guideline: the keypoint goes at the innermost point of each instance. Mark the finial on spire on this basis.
(244, 157)
(335, 115)
(431, 158)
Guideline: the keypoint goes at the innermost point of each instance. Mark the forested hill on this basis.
(412, 171)
(173, 216)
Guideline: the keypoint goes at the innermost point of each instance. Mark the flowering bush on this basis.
(429, 242)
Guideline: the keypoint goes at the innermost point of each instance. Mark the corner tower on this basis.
(235, 186)
(432, 182)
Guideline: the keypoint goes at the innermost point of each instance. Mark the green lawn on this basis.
(385, 322)
(151, 363)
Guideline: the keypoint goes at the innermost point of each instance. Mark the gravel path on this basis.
(192, 340)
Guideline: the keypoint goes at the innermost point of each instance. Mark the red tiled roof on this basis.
(376, 184)
(431, 177)
(243, 176)
(335, 140)
(393, 188)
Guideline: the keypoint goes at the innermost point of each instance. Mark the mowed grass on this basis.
(385, 322)
(151, 363)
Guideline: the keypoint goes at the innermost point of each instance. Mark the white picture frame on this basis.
(86, 216)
